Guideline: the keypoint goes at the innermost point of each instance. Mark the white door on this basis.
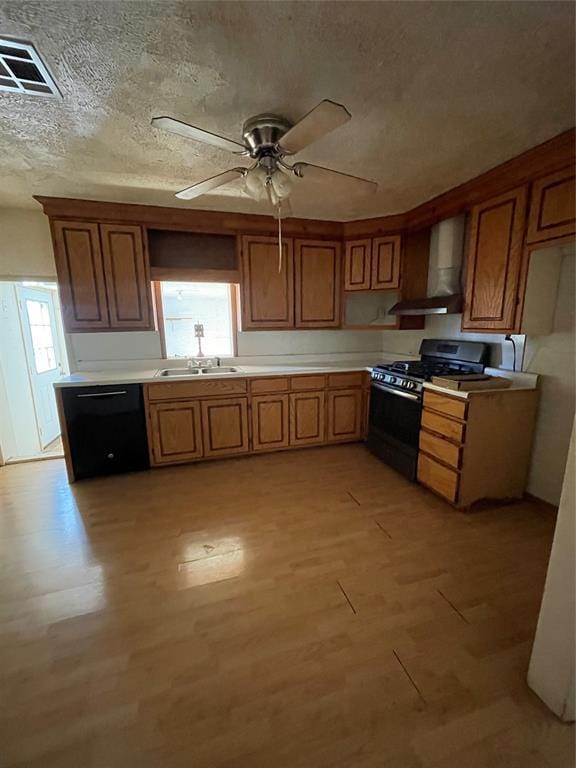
(44, 356)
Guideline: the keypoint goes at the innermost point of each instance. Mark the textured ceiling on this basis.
(438, 91)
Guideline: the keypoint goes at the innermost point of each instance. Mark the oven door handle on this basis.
(384, 388)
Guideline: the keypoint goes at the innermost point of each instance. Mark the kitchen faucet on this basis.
(209, 362)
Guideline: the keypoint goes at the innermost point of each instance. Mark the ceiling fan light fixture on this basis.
(255, 184)
(282, 184)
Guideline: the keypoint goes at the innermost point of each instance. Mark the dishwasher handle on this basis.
(105, 394)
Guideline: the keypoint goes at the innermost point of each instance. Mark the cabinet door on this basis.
(357, 262)
(552, 210)
(344, 415)
(386, 257)
(494, 263)
(269, 422)
(307, 423)
(80, 275)
(127, 276)
(175, 432)
(317, 283)
(267, 294)
(225, 426)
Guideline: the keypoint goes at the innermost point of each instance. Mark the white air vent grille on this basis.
(23, 71)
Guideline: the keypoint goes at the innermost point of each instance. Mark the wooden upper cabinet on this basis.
(494, 261)
(225, 426)
(317, 283)
(270, 422)
(357, 261)
(127, 277)
(80, 275)
(553, 207)
(386, 257)
(373, 264)
(175, 432)
(267, 294)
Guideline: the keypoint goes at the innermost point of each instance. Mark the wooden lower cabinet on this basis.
(225, 426)
(307, 418)
(437, 477)
(197, 420)
(344, 415)
(270, 422)
(479, 447)
(175, 432)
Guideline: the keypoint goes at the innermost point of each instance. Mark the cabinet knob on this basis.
(110, 456)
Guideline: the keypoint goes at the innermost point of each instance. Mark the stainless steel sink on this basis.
(183, 372)
(219, 369)
(180, 372)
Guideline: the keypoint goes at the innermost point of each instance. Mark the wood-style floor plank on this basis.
(309, 609)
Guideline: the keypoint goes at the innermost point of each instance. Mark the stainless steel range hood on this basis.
(444, 295)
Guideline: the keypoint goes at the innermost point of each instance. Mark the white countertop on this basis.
(147, 376)
(519, 380)
(95, 378)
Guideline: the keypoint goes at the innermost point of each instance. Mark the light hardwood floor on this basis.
(309, 609)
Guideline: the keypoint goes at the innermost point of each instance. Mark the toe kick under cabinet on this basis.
(196, 420)
(477, 447)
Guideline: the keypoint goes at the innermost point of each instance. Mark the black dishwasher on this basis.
(106, 429)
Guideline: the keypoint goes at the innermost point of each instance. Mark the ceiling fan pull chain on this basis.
(279, 236)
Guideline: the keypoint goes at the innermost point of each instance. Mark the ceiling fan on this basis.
(268, 139)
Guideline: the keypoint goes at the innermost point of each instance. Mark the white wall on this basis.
(448, 327)
(552, 356)
(551, 671)
(321, 345)
(25, 245)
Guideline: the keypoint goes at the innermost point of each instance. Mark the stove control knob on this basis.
(392, 379)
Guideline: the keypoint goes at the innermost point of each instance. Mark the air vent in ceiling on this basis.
(23, 71)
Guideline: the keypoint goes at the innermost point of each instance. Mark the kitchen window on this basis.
(187, 310)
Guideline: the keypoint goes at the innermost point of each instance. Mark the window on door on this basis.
(41, 332)
(197, 318)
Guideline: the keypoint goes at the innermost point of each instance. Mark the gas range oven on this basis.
(396, 397)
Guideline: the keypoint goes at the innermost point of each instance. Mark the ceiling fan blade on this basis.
(205, 186)
(325, 117)
(198, 134)
(340, 182)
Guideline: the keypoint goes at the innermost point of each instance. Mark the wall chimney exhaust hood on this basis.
(444, 295)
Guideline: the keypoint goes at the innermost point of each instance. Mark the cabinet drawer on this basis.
(303, 383)
(447, 405)
(433, 422)
(268, 385)
(439, 448)
(440, 479)
(183, 390)
(351, 379)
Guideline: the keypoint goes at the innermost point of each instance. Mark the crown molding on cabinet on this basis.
(207, 222)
